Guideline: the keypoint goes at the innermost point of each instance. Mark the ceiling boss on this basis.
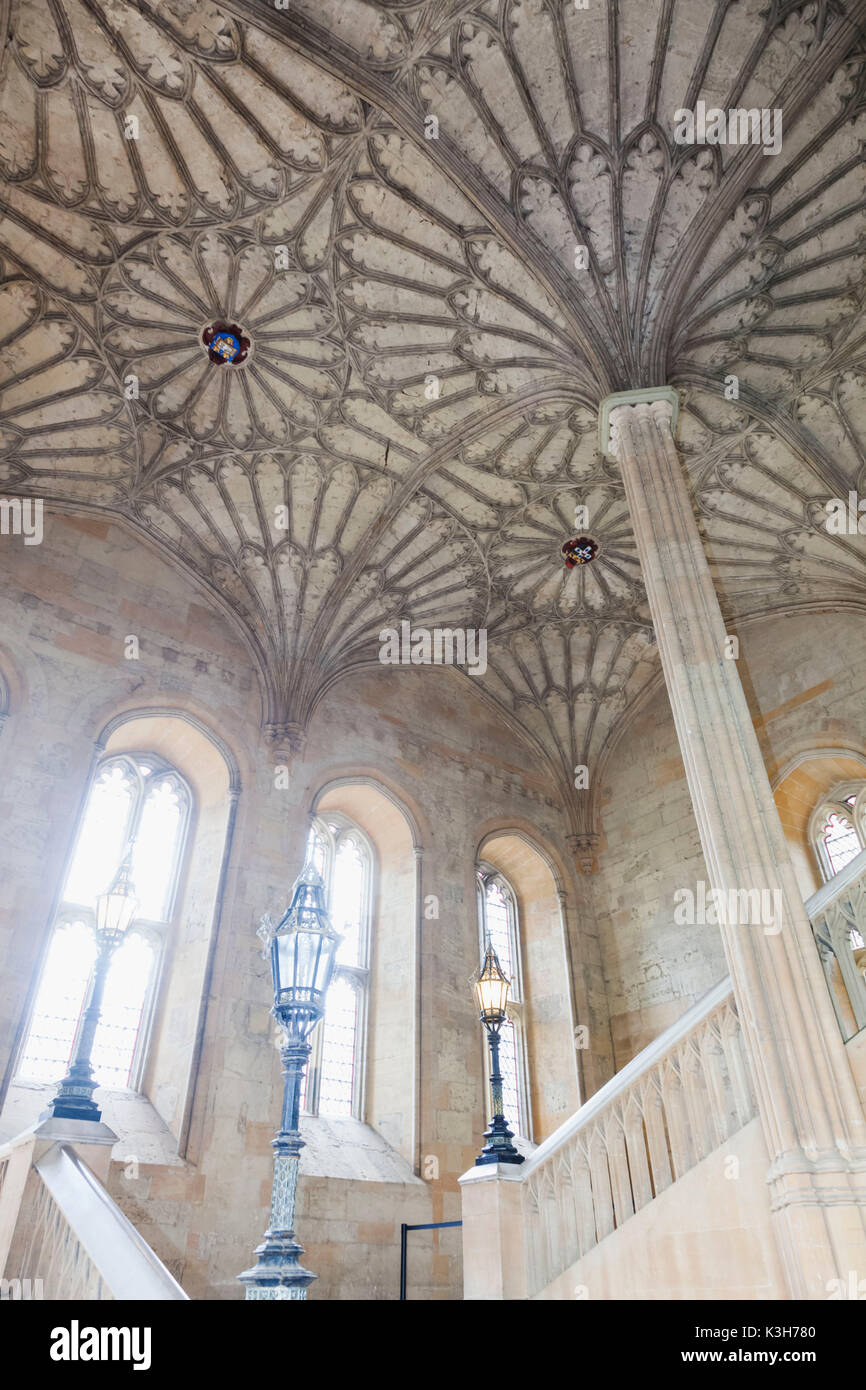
(225, 342)
(580, 551)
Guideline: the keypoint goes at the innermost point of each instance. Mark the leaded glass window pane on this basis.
(509, 1065)
(840, 841)
(137, 801)
(103, 835)
(126, 989)
(340, 854)
(156, 846)
(339, 1039)
(61, 999)
(499, 926)
(58, 1003)
(347, 900)
(316, 850)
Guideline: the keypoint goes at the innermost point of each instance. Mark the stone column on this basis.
(812, 1118)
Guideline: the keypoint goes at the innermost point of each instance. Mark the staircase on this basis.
(668, 1109)
(61, 1235)
(611, 1169)
(681, 1101)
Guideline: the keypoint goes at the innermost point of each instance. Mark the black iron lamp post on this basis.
(491, 995)
(115, 911)
(303, 950)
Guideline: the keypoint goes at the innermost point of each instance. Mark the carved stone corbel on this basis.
(285, 740)
(584, 847)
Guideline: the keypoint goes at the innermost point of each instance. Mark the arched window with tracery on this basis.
(135, 801)
(334, 1083)
(499, 926)
(837, 828)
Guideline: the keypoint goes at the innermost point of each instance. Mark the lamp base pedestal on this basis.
(499, 1148)
(277, 1273)
(499, 1156)
(67, 1108)
(74, 1097)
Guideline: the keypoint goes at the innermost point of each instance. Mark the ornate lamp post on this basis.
(303, 950)
(491, 995)
(115, 910)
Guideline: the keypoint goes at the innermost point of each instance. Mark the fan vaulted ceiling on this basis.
(427, 359)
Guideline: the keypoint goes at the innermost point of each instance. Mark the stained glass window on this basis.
(332, 1082)
(141, 802)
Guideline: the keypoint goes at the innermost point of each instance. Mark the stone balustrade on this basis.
(675, 1103)
(61, 1234)
(838, 916)
(670, 1107)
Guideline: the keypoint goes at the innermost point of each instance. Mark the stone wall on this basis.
(431, 747)
(805, 679)
(424, 737)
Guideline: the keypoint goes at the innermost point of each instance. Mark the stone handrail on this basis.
(835, 911)
(65, 1238)
(670, 1107)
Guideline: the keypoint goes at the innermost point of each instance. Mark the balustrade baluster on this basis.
(602, 1197)
(656, 1135)
(676, 1116)
(717, 1082)
(636, 1148)
(617, 1162)
(581, 1177)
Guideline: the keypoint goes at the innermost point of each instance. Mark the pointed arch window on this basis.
(134, 799)
(334, 1082)
(837, 828)
(499, 924)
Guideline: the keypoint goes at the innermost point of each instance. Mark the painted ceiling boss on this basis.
(579, 551)
(225, 342)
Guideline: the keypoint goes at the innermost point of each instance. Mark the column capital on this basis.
(641, 396)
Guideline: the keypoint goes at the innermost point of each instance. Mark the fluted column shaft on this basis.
(811, 1114)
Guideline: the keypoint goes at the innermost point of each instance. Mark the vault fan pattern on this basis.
(447, 229)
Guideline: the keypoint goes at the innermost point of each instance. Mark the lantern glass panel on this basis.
(115, 911)
(491, 993)
(307, 959)
(283, 958)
